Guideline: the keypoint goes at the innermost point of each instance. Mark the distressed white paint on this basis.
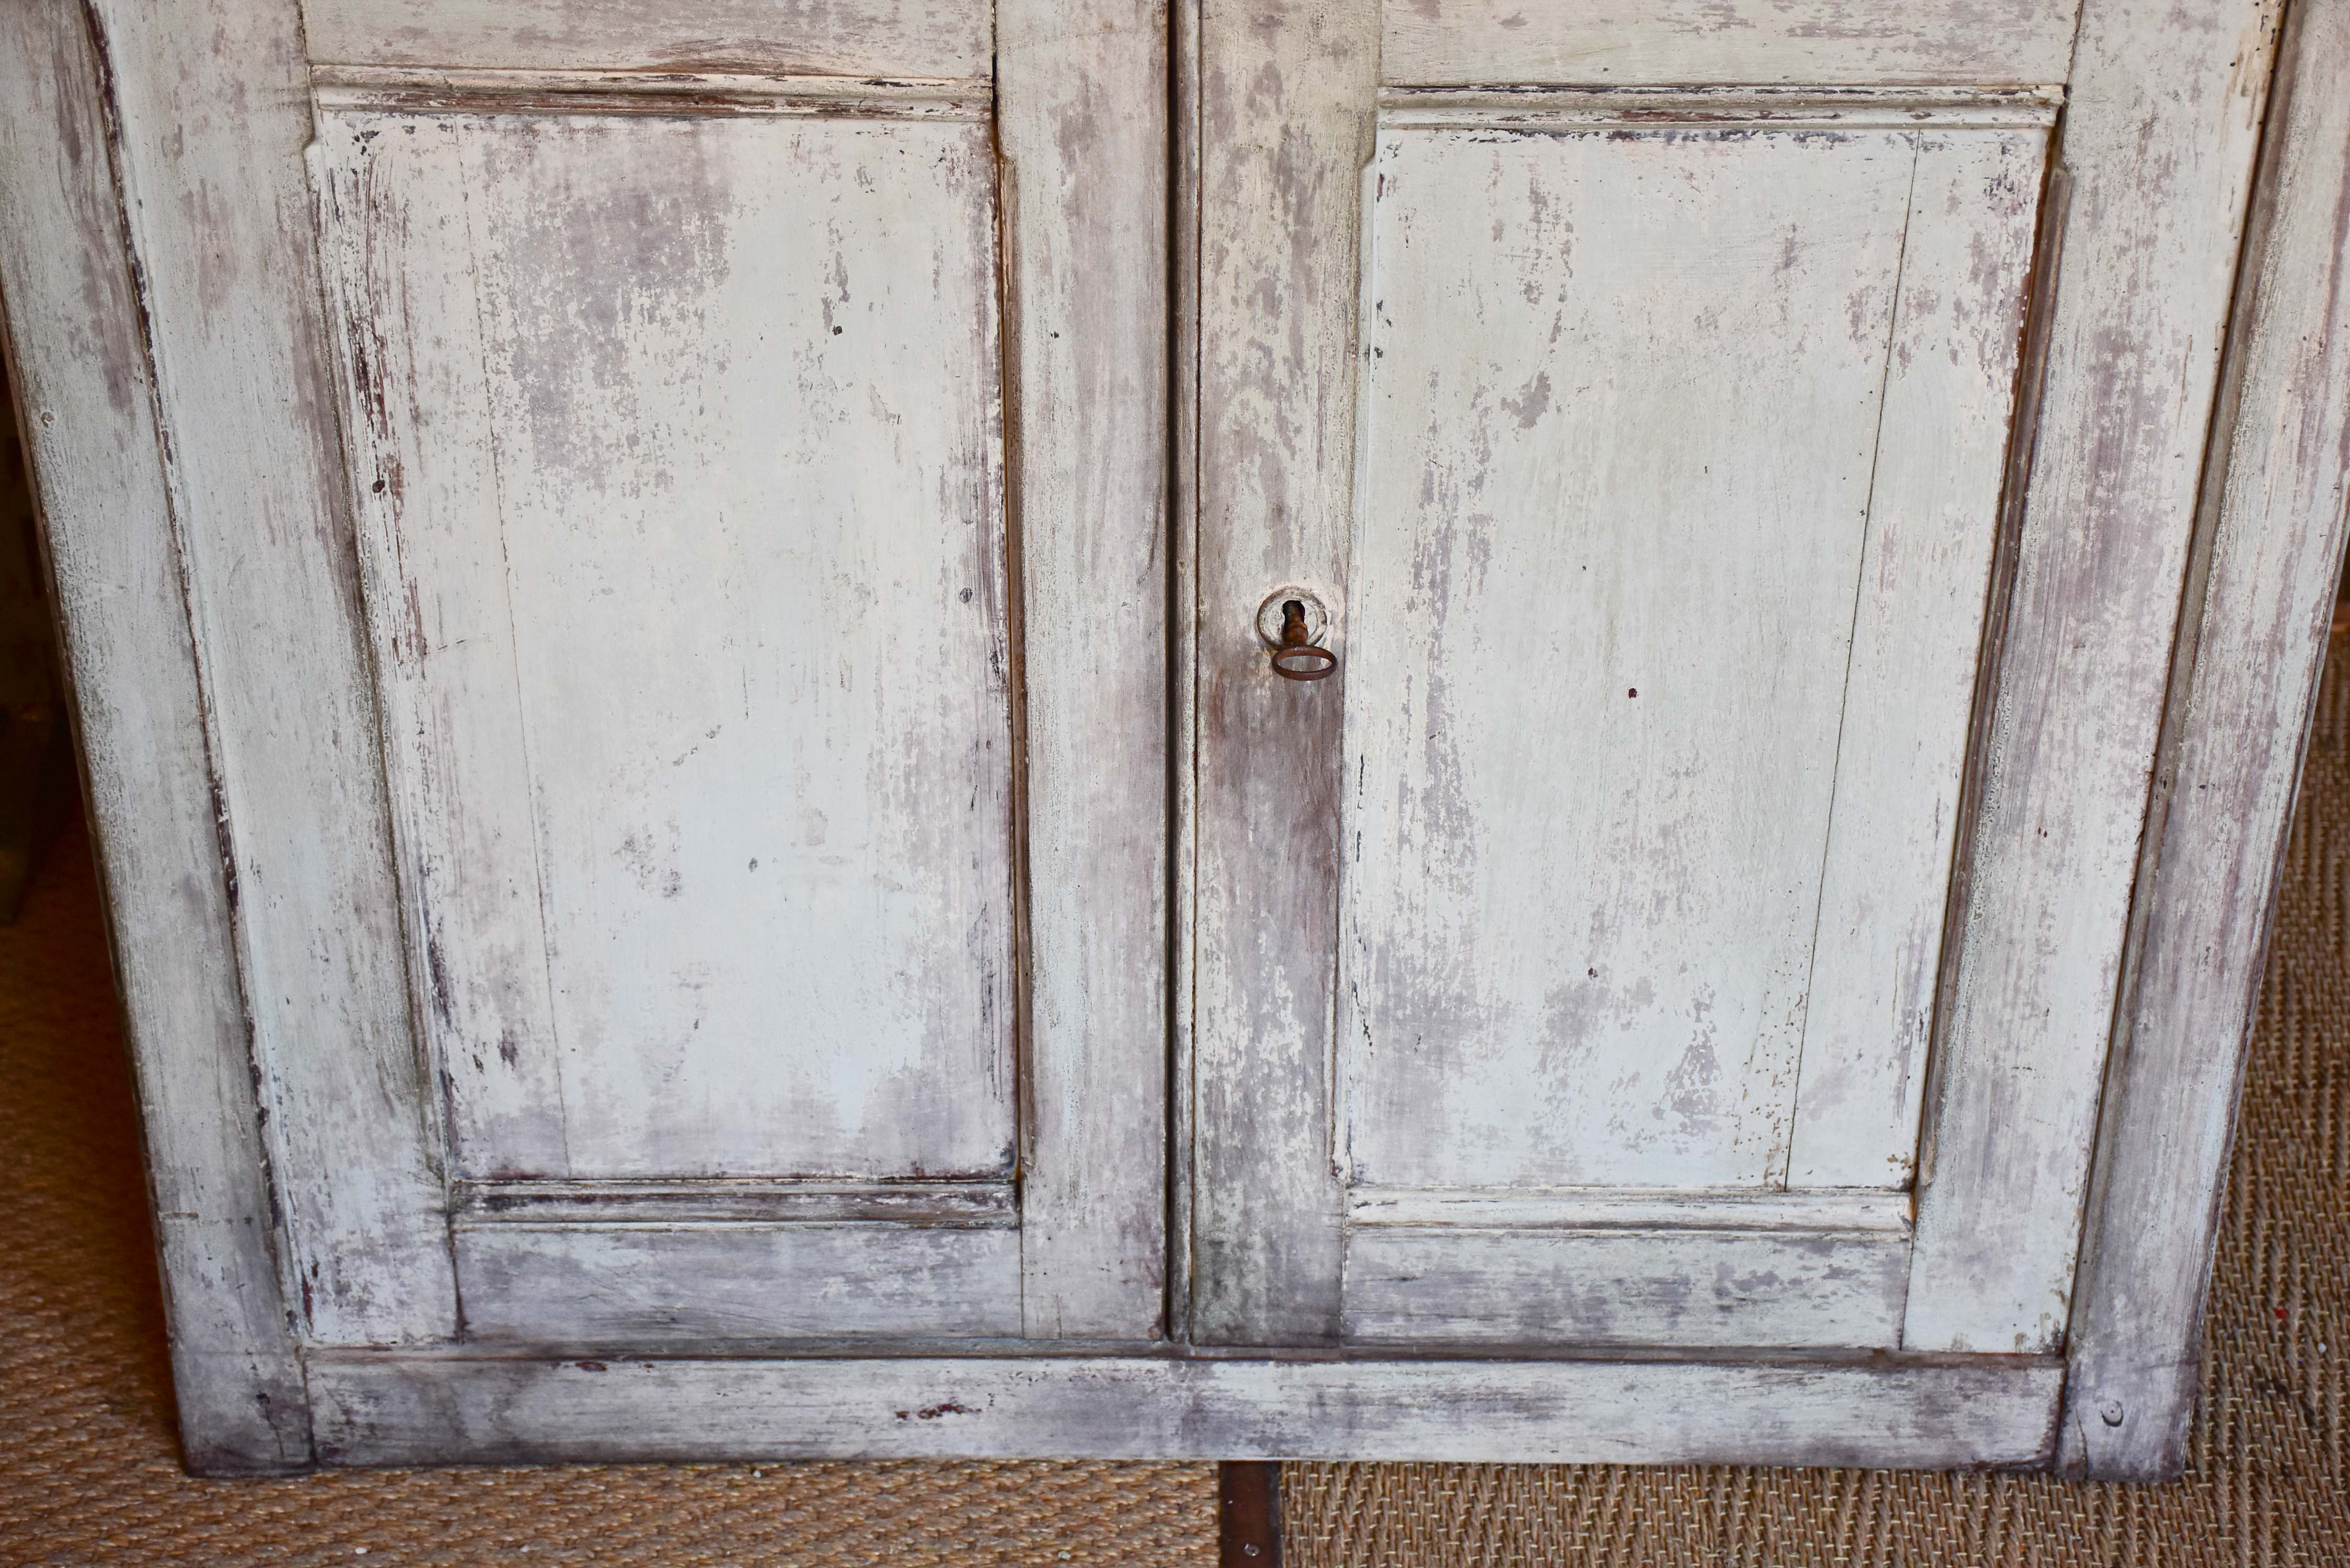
(1917, 642)
(212, 122)
(1677, 1287)
(1680, 42)
(553, 91)
(1082, 126)
(652, 1202)
(209, 124)
(2276, 504)
(2159, 137)
(1536, 108)
(1619, 1209)
(392, 1410)
(1657, 426)
(896, 38)
(679, 478)
(1285, 114)
(77, 362)
(596, 1286)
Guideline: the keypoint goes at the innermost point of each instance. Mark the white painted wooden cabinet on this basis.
(1428, 729)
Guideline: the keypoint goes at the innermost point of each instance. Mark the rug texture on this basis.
(89, 1469)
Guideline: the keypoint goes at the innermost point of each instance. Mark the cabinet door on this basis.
(1637, 407)
(619, 588)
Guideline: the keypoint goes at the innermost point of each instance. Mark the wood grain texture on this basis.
(1683, 42)
(1539, 108)
(827, 38)
(389, 1409)
(1916, 635)
(2276, 505)
(2159, 140)
(684, 527)
(1650, 1210)
(1612, 886)
(650, 1203)
(213, 120)
(79, 359)
(595, 1286)
(424, 89)
(1082, 125)
(1684, 1287)
(1183, 642)
(1285, 113)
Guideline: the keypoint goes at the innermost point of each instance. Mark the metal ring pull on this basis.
(1296, 659)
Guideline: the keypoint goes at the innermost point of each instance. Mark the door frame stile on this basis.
(1184, 207)
(1082, 127)
(221, 215)
(2151, 242)
(2260, 592)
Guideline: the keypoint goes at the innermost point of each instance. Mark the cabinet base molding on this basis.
(383, 1407)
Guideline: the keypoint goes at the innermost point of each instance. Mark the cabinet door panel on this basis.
(1643, 399)
(682, 498)
(607, 540)
(1645, 405)
(1619, 529)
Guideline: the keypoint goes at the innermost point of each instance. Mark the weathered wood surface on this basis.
(1082, 125)
(2276, 504)
(390, 1410)
(1815, 43)
(1653, 1209)
(2158, 138)
(85, 392)
(213, 120)
(1569, 108)
(650, 1202)
(1183, 643)
(825, 38)
(1285, 112)
(685, 524)
(1683, 451)
(1916, 639)
(1680, 1287)
(424, 89)
(591, 1286)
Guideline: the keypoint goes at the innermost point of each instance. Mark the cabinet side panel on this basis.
(2158, 138)
(2239, 723)
(215, 118)
(83, 384)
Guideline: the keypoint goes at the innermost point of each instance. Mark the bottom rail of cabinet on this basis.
(390, 1408)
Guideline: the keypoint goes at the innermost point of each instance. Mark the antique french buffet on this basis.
(1436, 729)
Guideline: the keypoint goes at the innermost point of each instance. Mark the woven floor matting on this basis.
(89, 1473)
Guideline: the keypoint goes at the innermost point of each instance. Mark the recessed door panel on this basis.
(683, 502)
(1682, 466)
